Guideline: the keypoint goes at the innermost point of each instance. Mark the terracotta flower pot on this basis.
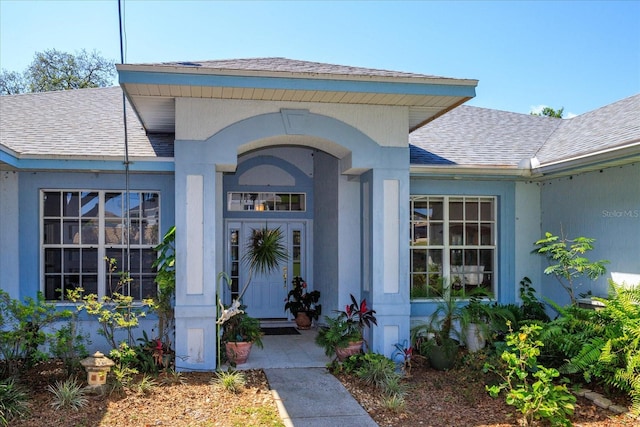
(238, 352)
(303, 321)
(353, 348)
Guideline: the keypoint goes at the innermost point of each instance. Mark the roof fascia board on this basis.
(294, 75)
(630, 152)
(466, 172)
(285, 83)
(87, 165)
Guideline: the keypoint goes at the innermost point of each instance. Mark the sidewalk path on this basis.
(312, 397)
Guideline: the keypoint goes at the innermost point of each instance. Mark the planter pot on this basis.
(474, 338)
(303, 321)
(238, 352)
(443, 357)
(353, 348)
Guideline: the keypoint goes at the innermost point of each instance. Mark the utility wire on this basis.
(126, 145)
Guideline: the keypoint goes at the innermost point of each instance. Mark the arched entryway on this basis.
(355, 185)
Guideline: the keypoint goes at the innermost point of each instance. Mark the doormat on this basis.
(280, 331)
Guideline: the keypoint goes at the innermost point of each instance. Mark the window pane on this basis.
(52, 260)
(150, 233)
(471, 210)
(419, 260)
(90, 284)
(455, 209)
(419, 286)
(149, 256)
(89, 205)
(52, 231)
(71, 204)
(113, 205)
(486, 211)
(71, 260)
(436, 232)
(51, 203)
(486, 234)
(471, 234)
(149, 287)
(70, 231)
(134, 205)
(52, 284)
(89, 260)
(437, 212)
(113, 232)
(456, 233)
(89, 232)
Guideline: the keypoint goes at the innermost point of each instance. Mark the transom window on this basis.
(453, 245)
(243, 201)
(82, 230)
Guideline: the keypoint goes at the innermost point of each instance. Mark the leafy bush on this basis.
(610, 348)
(69, 346)
(13, 401)
(566, 260)
(529, 385)
(67, 394)
(22, 330)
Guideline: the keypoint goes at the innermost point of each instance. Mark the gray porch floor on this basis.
(287, 351)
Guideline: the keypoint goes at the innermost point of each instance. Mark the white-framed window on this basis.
(453, 245)
(81, 229)
(283, 202)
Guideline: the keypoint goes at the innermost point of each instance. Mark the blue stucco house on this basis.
(382, 182)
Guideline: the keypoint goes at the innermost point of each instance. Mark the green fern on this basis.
(612, 354)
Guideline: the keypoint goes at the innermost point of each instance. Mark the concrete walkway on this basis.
(312, 397)
(307, 395)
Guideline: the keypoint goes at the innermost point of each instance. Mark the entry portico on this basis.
(337, 136)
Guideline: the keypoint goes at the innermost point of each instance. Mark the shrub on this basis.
(22, 330)
(529, 385)
(566, 260)
(610, 348)
(13, 401)
(68, 394)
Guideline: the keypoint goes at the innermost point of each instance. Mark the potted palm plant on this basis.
(303, 305)
(344, 333)
(264, 252)
(437, 338)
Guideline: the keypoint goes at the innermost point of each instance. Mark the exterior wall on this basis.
(604, 205)
(25, 256)
(506, 197)
(9, 234)
(527, 232)
(197, 119)
(325, 231)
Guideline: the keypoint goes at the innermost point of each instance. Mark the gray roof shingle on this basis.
(610, 126)
(480, 136)
(280, 64)
(83, 122)
(483, 137)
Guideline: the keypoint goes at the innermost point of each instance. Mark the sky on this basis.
(580, 55)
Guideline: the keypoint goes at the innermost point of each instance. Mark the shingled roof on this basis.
(480, 136)
(474, 136)
(286, 65)
(83, 122)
